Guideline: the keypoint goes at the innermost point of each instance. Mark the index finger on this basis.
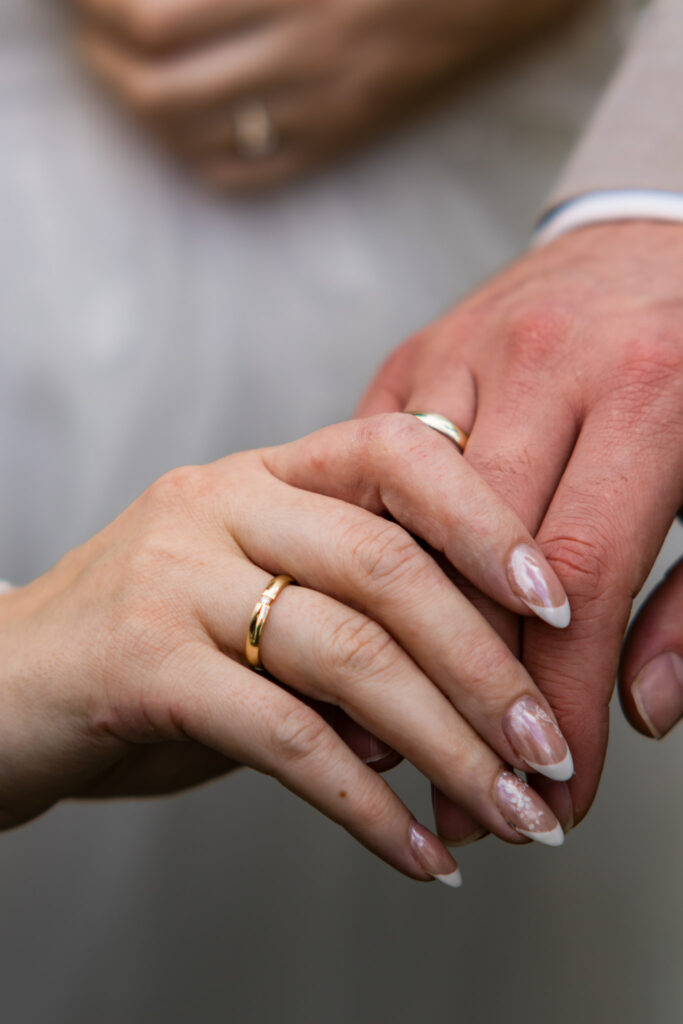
(394, 463)
(602, 532)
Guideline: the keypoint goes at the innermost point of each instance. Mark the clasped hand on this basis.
(124, 669)
(575, 355)
(328, 74)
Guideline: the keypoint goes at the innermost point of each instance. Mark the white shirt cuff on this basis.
(610, 205)
(4, 585)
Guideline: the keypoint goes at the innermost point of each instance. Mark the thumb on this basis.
(651, 673)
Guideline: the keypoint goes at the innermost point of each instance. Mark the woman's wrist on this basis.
(46, 743)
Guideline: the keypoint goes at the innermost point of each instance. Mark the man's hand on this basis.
(651, 674)
(576, 353)
(253, 91)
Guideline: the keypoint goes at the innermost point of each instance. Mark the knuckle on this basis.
(177, 488)
(297, 734)
(379, 444)
(357, 646)
(584, 556)
(379, 552)
(373, 806)
(391, 432)
(650, 364)
(657, 346)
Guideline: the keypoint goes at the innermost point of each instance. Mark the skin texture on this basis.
(576, 355)
(123, 666)
(333, 73)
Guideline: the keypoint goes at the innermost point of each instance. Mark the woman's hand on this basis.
(254, 91)
(123, 667)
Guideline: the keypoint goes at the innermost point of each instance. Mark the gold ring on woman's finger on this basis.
(258, 619)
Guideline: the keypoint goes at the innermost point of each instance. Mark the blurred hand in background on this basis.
(252, 92)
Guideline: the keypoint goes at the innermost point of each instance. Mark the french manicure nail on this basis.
(524, 810)
(658, 693)
(536, 738)
(532, 580)
(433, 857)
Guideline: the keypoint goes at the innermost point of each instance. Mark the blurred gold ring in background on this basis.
(254, 133)
(442, 425)
(258, 619)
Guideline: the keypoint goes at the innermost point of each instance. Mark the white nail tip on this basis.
(555, 837)
(558, 616)
(562, 771)
(454, 880)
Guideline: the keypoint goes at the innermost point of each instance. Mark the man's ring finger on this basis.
(443, 426)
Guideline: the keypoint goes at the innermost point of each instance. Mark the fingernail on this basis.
(532, 580)
(375, 750)
(524, 810)
(473, 837)
(433, 857)
(658, 693)
(367, 747)
(558, 797)
(536, 738)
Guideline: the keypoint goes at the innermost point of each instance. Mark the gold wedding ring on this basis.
(444, 426)
(258, 619)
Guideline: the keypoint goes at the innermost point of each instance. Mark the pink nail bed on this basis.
(524, 810)
(433, 857)
(535, 583)
(536, 738)
(658, 693)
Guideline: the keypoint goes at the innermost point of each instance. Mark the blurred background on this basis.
(148, 321)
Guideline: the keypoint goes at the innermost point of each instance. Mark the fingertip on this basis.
(453, 880)
(558, 797)
(535, 583)
(651, 667)
(553, 837)
(561, 771)
(558, 616)
(657, 693)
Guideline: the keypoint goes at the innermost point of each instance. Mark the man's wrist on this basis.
(607, 206)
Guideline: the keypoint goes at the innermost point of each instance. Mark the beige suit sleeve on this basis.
(635, 138)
